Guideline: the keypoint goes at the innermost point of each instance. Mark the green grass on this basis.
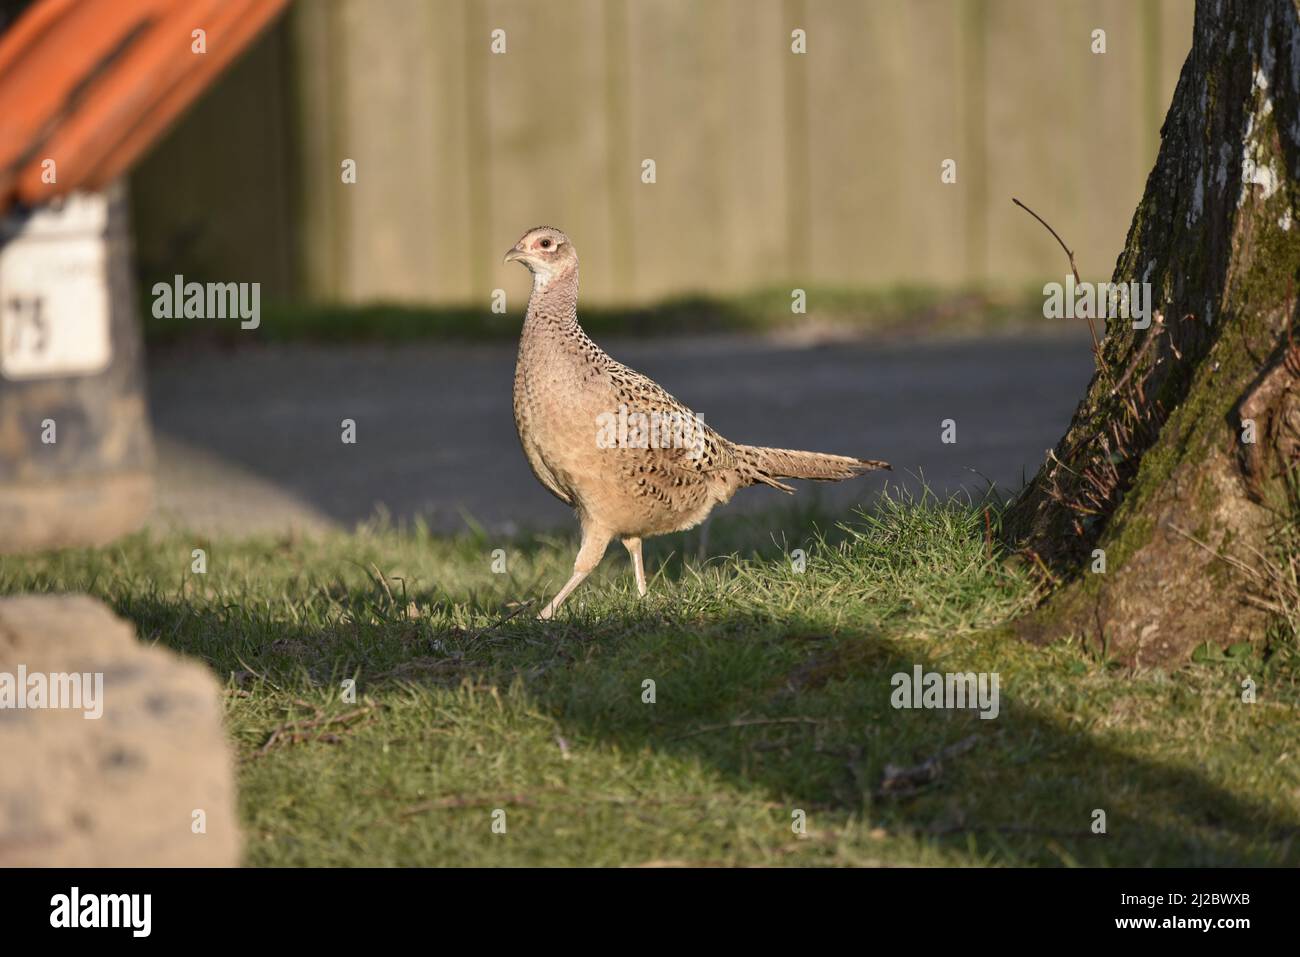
(893, 311)
(772, 695)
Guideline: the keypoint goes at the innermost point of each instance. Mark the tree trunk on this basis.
(1158, 474)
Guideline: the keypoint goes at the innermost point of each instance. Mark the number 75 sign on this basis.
(54, 297)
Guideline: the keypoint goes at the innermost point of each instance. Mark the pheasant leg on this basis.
(633, 546)
(592, 551)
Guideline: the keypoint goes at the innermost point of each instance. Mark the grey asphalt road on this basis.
(250, 440)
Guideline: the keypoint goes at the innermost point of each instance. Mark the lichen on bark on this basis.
(1153, 470)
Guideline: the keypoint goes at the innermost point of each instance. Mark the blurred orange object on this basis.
(91, 84)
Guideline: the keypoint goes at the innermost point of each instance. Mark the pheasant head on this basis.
(547, 252)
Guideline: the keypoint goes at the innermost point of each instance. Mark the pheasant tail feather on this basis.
(768, 465)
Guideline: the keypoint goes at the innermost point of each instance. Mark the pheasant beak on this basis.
(514, 255)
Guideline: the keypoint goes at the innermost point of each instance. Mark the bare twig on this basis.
(1096, 343)
(383, 583)
(1069, 252)
(458, 801)
(291, 731)
(1157, 327)
(531, 800)
(902, 781)
(1042, 566)
(1292, 355)
(1232, 560)
(1001, 829)
(746, 723)
(487, 629)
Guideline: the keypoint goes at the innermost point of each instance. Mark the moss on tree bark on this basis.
(1155, 470)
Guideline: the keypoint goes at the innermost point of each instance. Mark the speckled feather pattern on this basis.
(565, 383)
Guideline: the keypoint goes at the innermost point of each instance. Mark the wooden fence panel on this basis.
(771, 167)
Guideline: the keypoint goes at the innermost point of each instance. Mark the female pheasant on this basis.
(629, 458)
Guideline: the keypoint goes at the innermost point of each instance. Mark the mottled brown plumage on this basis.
(576, 408)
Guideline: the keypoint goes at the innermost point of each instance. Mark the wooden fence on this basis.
(771, 167)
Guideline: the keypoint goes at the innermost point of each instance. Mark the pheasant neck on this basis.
(553, 305)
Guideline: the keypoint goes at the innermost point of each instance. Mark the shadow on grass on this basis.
(783, 701)
(798, 715)
(816, 732)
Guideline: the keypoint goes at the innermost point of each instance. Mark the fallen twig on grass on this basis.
(291, 732)
(424, 665)
(523, 606)
(457, 801)
(904, 781)
(750, 722)
(576, 803)
(1000, 829)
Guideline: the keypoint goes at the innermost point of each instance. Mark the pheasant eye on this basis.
(546, 244)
